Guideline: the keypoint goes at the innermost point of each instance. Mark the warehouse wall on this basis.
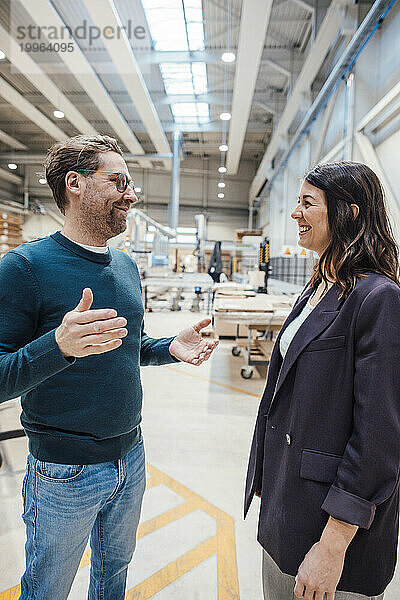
(376, 71)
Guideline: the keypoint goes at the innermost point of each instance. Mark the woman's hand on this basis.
(319, 573)
(322, 566)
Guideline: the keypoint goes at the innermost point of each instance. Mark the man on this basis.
(71, 343)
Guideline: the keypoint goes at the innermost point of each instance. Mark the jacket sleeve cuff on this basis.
(345, 506)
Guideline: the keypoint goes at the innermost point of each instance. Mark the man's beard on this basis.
(98, 223)
(115, 221)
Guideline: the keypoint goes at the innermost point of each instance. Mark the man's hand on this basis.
(190, 347)
(319, 573)
(84, 332)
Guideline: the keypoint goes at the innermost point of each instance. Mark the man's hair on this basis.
(78, 153)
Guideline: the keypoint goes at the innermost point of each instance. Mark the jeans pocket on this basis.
(25, 481)
(58, 472)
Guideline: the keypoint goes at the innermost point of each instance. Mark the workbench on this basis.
(174, 284)
(262, 317)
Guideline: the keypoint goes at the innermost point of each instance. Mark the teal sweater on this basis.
(84, 410)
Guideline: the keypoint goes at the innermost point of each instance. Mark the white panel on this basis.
(253, 27)
(104, 14)
(41, 12)
(31, 70)
(326, 35)
(20, 103)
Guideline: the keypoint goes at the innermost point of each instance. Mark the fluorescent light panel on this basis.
(191, 112)
(184, 78)
(167, 24)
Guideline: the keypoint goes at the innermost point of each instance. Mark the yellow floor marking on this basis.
(224, 385)
(168, 517)
(151, 525)
(11, 594)
(150, 483)
(164, 577)
(223, 545)
(227, 576)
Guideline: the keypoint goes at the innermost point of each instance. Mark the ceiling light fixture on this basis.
(58, 114)
(225, 116)
(228, 57)
(42, 181)
(221, 184)
(12, 166)
(223, 148)
(2, 55)
(138, 190)
(221, 195)
(221, 169)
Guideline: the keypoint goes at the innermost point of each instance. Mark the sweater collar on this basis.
(79, 250)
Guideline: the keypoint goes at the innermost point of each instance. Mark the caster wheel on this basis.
(246, 373)
(236, 351)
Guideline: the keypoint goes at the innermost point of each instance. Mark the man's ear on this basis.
(356, 209)
(73, 183)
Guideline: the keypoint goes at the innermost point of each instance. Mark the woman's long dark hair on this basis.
(360, 244)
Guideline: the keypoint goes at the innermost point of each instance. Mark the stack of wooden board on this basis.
(260, 303)
(233, 313)
(230, 289)
(10, 231)
(241, 233)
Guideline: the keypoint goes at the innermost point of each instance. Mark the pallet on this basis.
(11, 218)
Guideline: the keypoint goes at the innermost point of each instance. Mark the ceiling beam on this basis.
(42, 11)
(327, 34)
(283, 56)
(305, 5)
(10, 141)
(253, 29)
(104, 13)
(11, 177)
(33, 72)
(218, 99)
(14, 98)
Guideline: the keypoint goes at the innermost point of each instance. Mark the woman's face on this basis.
(311, 214)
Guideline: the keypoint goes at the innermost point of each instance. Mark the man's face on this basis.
(103, 209)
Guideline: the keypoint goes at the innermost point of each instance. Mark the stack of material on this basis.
(10, 231)
(241, 233)
(230, 289)
(232, 313)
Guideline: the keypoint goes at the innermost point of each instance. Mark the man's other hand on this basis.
(84, 332)
(190, 347)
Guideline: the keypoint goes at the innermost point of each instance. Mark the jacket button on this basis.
(288, 439)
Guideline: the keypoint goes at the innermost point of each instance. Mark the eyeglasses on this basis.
(121, 183)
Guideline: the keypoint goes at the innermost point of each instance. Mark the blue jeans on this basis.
(63, 506)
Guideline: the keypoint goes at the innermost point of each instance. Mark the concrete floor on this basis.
(197, 432)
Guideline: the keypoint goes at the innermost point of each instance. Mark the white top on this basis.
(99, 249)
(293, 328)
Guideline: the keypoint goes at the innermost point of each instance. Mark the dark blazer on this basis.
(327, 436)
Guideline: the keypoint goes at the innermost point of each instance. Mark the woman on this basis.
(325, 456)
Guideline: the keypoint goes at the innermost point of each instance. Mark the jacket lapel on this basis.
(321, 317)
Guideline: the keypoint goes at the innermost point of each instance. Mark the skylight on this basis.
(191, 112)
(176, 25)
(184, 78)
